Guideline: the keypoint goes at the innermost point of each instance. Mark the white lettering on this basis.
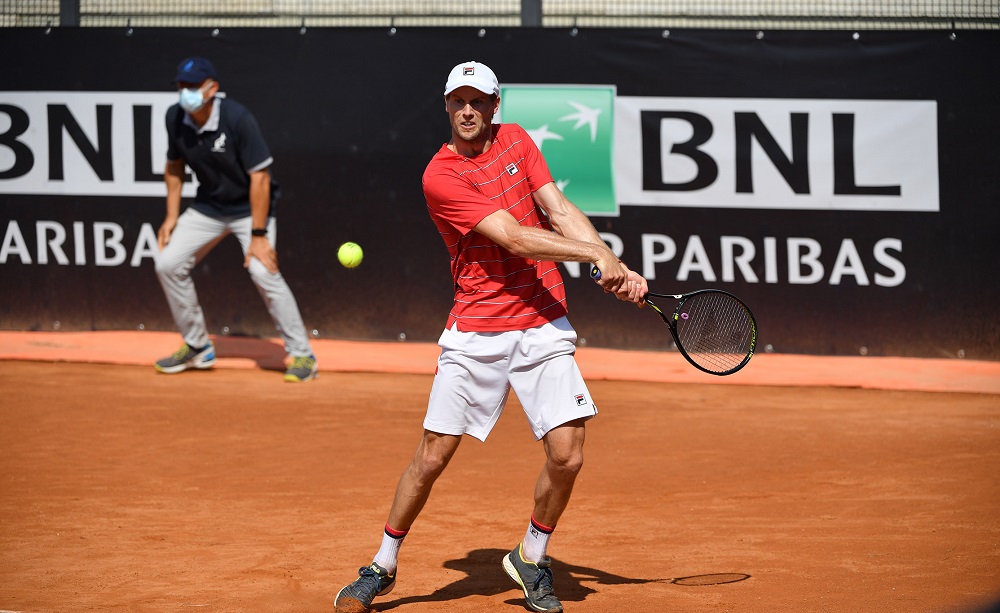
(728, 243)
(102, 243)
(79, 246)
(695, 260)
(770, 259)
(51, 247)
(146, 246)
(848, 262)
(55, 244)
(650, 256)
(13, 244)
(882, 257)
(809, 259)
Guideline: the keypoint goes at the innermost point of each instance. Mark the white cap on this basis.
(475, 75)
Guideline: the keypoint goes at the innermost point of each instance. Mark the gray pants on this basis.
(195, 235)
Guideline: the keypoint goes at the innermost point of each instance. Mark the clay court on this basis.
(799, 485)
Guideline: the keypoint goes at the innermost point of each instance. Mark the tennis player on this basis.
(504, 223)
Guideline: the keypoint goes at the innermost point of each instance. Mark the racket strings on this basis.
(716, 331)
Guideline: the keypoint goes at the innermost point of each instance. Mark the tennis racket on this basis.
(714, 330)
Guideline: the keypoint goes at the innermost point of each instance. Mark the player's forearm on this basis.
(564, 217)
(573, 224)
(538, 244)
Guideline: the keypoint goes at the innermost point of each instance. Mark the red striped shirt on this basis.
(495, 290)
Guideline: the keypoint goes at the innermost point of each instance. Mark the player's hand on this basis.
(166, 229)
(261, 249)
(612, 274)
(634, 290)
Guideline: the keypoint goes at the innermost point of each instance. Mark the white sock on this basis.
(388, 553)
(536, 540)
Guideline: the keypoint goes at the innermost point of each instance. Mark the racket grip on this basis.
(595, 273)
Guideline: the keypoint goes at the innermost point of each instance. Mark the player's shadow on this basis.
(485, 577)
(267, 354)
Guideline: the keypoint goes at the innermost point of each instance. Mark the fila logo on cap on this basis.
(468, 71)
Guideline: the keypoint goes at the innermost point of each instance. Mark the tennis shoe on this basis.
(303, 369)
(187, 357)
(535, 580)
(357, 597)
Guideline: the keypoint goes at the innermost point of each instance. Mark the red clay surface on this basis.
(797, 485)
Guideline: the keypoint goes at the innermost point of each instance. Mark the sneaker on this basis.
(187, 357)
(535, 580)
(372, 581)
(303, 369)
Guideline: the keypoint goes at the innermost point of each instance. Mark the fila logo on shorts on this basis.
(581, 400)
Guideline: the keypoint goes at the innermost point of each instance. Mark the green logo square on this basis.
(573, 126)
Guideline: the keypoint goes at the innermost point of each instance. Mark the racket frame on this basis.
(671, 321)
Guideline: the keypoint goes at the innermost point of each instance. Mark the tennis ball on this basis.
(350, 254)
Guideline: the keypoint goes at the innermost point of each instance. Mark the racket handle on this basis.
(595, 273)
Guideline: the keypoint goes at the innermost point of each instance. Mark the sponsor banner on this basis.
(863, 155)
(853, 213)
(847, 155)
(84, 143)
(744, 153)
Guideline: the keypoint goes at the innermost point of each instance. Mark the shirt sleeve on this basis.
(455, 201)
(253, 151)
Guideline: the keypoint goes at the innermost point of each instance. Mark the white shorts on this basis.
(476, 371)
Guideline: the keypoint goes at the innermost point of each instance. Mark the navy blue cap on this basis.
(194, 70)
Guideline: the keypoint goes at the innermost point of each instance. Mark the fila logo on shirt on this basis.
(219, 146)
(512, 169)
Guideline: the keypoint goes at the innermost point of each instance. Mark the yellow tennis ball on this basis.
(350, 254)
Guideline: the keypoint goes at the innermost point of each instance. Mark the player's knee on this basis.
(427, 468)
(568, 462)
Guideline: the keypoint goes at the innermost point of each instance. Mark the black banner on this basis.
(846, 187)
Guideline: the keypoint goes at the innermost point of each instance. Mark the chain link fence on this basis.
(735, 14)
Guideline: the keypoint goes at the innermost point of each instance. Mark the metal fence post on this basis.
(531, 13)
(69, 12)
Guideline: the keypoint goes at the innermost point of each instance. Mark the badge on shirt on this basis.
(219, 146)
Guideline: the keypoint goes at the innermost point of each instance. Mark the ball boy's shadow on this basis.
(267, 354)
(485, 577)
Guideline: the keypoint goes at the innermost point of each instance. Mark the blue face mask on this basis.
(191, 99)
